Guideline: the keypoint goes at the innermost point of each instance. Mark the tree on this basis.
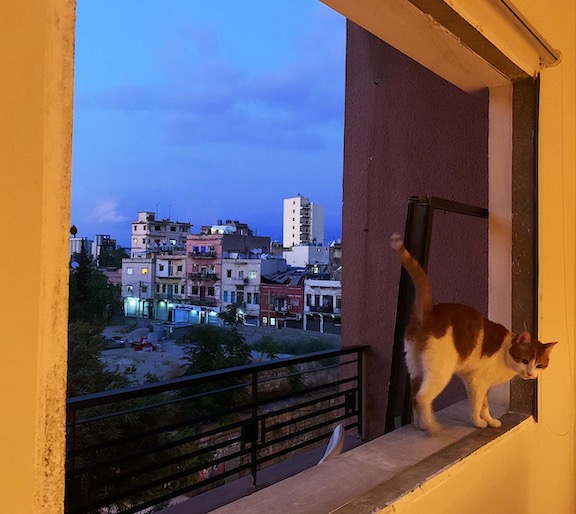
(112, 257)
(86, 373)
(92, 297)
(267, 347)
(215, 348)
(233, 315)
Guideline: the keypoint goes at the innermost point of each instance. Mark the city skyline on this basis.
(199, 113)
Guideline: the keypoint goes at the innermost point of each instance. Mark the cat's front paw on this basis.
(480, 423)
(495, 423)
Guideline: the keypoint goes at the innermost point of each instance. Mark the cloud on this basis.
(209, 100)
(106, 212)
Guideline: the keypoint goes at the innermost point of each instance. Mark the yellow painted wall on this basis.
(531, 469)
(36, 54)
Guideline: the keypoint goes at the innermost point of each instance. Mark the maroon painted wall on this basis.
(407, 132)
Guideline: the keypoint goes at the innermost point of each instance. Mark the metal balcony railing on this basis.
(206, 301)
(203, 276)
(203, 255)
(321, 308)
(135, 448)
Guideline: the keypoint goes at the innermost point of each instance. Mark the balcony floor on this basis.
(232, 491)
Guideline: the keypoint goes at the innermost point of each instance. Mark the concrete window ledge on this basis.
(370, 477)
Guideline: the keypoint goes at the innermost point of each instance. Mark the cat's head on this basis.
(528, 357)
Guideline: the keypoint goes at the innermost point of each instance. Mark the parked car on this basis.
(112, 342)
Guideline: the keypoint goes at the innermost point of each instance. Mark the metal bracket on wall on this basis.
(417, 235)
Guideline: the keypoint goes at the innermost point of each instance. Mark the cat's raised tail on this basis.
(423, 299)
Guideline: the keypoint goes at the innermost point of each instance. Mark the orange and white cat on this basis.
(452, 339)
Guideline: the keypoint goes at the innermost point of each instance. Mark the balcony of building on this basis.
(203, 276)
(204, 301)
(209, 254)
(321, 308)
(144, 446)
(169, 251)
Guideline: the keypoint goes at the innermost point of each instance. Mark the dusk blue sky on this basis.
(206, 110)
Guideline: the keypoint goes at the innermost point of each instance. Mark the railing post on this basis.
(254, 441)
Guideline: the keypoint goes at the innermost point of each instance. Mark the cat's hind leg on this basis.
(415, 384)
(433, 383)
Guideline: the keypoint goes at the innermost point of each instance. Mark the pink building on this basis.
(209, 287)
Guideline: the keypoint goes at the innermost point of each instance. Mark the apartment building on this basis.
(303, 222)
(223, 264)
(304, 298)
(299, 256)
(170, 282)
(323, 305)
(150, 235)
(138, 283)
(240, 284)
(282, 299)
(154, 277)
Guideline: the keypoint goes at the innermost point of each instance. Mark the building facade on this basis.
(150, 235)
(138, 285)
(282, 304)
(299, 256)
(223, 264)
(322, 305)
(240, 285)
(303, 222)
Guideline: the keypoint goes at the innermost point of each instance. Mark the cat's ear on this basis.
(523, 339)
(548, 346)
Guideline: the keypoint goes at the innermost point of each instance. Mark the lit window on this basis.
(144, 271)
(264, 320)
(252, 274)
(173, 242)
(135, 240)
(272, 322)
(129, 271)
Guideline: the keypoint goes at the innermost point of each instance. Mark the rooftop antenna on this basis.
(157, 208)
(169, 210)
